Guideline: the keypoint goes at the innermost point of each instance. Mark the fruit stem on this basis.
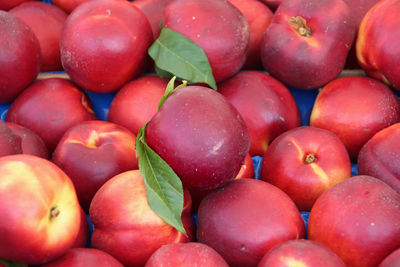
(310, 158)
(300, 25)
(54, 212)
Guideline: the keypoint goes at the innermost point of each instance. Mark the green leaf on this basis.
(163, 187)
(176, 54)
(170, 89)
(8, 263)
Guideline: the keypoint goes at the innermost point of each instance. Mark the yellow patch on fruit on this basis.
(298, 148)
(320, 172)
(292, 262)
(62, 217)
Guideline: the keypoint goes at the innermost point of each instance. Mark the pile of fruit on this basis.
(200, 133)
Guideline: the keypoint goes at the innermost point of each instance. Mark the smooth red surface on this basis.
(286, 166)
(10, 143)
(393, 260)
(380, 156)
(137, 102)
(272, 111)
(301, 253)
(46, 21)
(358, 219)
(355, 108)
(31, 143)
(186, 255)
(378, 51)
(124, 224)
(92, 152)
(49, 107)
(201, 136)
(104, 44)
(8, 4)
(259, 17)
(245, 219)
(154, 11)
(30, 188)
(20, 56)
(308, 62)
(84, 257)
(224, 36)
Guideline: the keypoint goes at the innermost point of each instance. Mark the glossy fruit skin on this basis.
(355, 108)
(392, 260)
(7, 5)
(124, 224)
(272, 111)
(358, 219)
(186, 255)
(378, 51)
(46, 21)
(244, 219)
(10, 143)
(379, 157)
(67, 5)
(31, 143)
(77, 257)
(104, 44)
(154, 11)
(137, 102)
(49, 107)
(302, 252)
(304, 162)
(48, 228)
(92, 152)
(308, 59)
(201, 136)
(259, 17)
(20, 56)
(224, 36)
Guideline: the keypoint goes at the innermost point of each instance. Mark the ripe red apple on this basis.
(137, 102)
(393, 260)
(75, 257)
(217, 27)
(307, 42)
(301, 252)
(20, 56)
(8, 4)
(259, 17)
(10, 143)
(39, 210)
(355, 108)
(185, 255)
(154, 11)
(49, 107)
(126, 227)
(358, 219)
(31, 143)
(201, 136)
(304, 162)
(272, 111)
(46, 21)
(245, 219)
(104, 44)
(380, 156)
(378, 51)
(92, 152)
